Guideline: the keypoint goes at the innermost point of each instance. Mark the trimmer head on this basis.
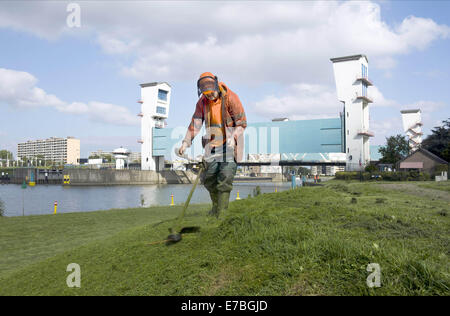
(173, 238)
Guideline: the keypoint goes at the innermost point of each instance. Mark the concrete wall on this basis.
(126, 177)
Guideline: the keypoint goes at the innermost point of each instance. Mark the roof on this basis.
(280, 119)
(348, 58)
(409, 111)
(411, 165)
(152, 84)
(429, 154)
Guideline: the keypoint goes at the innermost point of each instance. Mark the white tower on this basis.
(155, 101)
(121, 154)
(351, 74)
(412, 125)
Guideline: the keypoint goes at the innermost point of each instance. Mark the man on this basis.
(225, 121)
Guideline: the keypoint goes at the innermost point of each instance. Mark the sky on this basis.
(58, 79)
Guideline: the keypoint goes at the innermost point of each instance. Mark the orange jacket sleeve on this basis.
(236, 110)
(196, 122)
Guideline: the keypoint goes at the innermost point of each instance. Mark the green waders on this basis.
(218, 180)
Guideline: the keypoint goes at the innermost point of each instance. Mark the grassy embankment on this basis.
(309, 241)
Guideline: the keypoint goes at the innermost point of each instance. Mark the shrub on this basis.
(2, 208)
(440, 168)
(412, 175)
(371, 168)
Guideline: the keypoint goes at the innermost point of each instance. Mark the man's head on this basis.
(208, 85)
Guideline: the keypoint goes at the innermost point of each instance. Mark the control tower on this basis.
(351, 74)
(155, 101)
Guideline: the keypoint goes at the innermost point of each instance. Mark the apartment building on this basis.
(62, 150)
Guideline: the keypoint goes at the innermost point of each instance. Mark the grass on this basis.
(308, 241)
(25, 240)
(443, 186)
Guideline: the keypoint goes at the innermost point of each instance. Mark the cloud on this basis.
(308, 101)
(241, 41)
(379, 100)
(311, 101)
(301, 101)
(385, 128)
(18, 89)
(424, 106)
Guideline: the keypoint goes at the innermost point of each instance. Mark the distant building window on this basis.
(363, 71)
(162, 95)
(364, 90)
(160, 110)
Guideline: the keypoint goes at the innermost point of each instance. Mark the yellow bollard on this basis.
(237, 197)
(56, 206)
(276, 190)
(171, 203)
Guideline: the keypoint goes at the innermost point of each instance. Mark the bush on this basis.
(2, 208)
(441, 168)
(411, 175)
(371, 168)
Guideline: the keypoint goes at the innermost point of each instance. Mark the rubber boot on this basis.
(224, 199)
(215, 201)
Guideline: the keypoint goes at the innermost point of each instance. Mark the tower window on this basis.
(363, 71)
(160, 110)
(162, 95)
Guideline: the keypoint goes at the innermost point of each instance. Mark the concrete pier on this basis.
(126, 177)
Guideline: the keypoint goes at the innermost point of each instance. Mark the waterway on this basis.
(40, 199)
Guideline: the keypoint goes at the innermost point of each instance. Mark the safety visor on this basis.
(207, 85)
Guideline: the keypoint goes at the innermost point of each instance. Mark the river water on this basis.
(40, 199)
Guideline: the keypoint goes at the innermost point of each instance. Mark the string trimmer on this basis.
(176, 231)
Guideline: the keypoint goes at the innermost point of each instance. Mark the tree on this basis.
(396, 149)
(108, 158)
(438, 142)
(4, 154)
(303, 171)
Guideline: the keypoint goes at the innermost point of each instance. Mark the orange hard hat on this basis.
(206, 74)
